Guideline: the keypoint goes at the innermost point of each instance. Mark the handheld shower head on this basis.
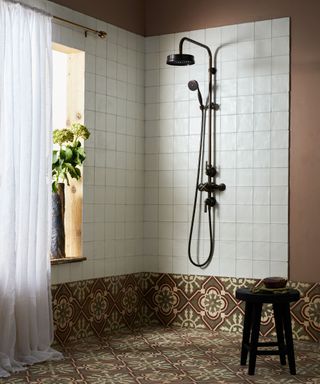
(194, 86)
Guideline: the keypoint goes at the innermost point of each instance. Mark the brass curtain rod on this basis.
(101, 34)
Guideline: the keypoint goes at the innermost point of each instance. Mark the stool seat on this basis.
(251, 328)
(247, 295)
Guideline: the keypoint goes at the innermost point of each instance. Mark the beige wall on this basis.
(127, 14)
(167, 16)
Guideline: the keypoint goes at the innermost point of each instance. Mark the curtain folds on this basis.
(26, 330)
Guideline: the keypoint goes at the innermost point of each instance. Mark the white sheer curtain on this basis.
(26, 330)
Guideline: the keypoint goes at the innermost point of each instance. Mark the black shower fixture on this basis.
(180, 59)
(210, 187)
(194, 86)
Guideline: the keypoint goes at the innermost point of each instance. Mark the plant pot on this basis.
(58, 240)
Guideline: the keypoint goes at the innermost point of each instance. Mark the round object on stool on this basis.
(274, 282)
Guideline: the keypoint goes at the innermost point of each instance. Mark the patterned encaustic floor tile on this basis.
(160, 355)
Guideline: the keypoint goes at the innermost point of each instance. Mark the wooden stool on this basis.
(251, 326)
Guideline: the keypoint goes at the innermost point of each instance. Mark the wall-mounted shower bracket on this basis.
(215, 106)
(213, 70)
(209, 202)
(210, 170)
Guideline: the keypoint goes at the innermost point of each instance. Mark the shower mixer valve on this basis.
(211, 187)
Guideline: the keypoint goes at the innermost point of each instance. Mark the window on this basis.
(68, 108)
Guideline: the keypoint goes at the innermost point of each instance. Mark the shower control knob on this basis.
(220, 187)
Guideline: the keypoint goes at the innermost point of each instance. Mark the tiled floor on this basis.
(167, 355)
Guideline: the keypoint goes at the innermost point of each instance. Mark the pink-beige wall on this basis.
(151, 17)
(126, 14)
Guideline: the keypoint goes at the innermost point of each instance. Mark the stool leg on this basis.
(288, 334)
(256, 317)
(279, 329)
(246, 333)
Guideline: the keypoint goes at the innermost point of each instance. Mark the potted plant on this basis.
(66, 163)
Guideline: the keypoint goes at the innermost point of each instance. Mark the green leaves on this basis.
(67, 160)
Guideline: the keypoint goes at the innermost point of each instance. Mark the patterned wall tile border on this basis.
(209, 302)
(100, 306)
(96, 306)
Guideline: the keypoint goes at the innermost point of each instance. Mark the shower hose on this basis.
(200, 174)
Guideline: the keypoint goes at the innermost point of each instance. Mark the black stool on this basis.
(251, 326)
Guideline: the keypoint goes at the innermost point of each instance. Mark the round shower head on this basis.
(180, 59)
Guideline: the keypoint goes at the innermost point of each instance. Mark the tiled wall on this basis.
(252, 150)
(140, 171)
(100, 306)
(114, 169)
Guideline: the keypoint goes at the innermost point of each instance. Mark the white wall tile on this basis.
(278, 268)
(281, 27)
(279, 233)
(260, 269)
(261, 121)
(262, 29)
(261, 251)
(279, 252)
(244, 158)
(245, 31)
(261, 213)
(244, 250)
(280, 46)
(262, 85)
(244, 268)
(262, 48)
(245, 86)
(245, 50)
(280, 65)
(244, 232)
(244, 123)
(263, 66)
(279, 195)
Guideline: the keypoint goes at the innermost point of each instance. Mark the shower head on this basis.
(180, 59)
(194, 86)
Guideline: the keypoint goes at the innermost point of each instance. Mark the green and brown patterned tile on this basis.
(99, 306)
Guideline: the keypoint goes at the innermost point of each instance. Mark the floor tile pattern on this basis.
(167, 355)
(100, 306)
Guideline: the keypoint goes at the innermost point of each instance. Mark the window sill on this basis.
(66, 260)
